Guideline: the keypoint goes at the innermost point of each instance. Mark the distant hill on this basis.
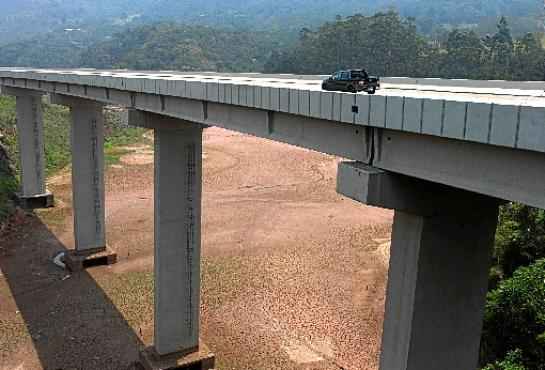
(23, 18)
(156, 46)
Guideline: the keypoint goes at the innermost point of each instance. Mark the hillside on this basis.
(24, 18)
(156, 46)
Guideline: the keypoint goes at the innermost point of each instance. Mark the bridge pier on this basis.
(87, 139)
(442, 240)
(30, 135)
(178, 188)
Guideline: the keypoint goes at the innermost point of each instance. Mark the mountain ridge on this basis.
(23, 18)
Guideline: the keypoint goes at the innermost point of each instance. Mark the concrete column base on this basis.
(201, 359)
(80, 260)
(45, 200)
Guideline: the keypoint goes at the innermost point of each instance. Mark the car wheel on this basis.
(351, 89)
(372, 91)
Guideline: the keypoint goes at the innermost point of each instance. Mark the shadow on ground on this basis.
(72, 322)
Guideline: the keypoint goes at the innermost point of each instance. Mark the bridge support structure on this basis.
(87, 142)
(178, 189)
(33, 193)
(442, 241)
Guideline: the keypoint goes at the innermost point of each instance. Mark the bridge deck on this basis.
(483, 136)
(487, 137)
(501, 116)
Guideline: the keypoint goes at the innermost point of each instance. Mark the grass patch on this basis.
(113, 154)
(57, 134)
(117, 134)
(57, 143)
(56, 138)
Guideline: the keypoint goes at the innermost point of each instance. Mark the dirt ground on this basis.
(293, 275)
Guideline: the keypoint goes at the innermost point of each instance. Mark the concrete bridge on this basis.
(444, 154)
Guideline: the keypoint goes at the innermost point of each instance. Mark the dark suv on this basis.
(352, 80)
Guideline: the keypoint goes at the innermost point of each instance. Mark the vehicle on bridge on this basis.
(352, 80)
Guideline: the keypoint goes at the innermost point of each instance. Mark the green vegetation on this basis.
(389, 45)
(187, 48)
(116, 135)
(56, 134)
(57, 144)
(386, 44)
(8, 130)
(8, 181)
(27, 18)
(56, 137)
(8, 187)
(515, 319)
(513, 361)
(155, 46)
(520, 238)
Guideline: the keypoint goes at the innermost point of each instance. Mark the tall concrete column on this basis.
(30, 135)
(87, 138)
(178, 183)
(31, 144)
(178, 188)
(87, 141)
(442, 240)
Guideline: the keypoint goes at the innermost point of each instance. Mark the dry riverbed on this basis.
(293, 274)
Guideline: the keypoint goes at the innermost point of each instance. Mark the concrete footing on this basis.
(201, 359)
(45, 200)
(81, 260)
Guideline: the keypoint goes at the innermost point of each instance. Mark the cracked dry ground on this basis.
(293, 274)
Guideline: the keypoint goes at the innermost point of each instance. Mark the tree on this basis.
(513, 361)
(384, 44)
(465, 52)
(528, 58)
(520, 237)
(501, 50)
(503, 35)
(515, 318)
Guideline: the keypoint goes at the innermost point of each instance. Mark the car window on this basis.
(345, 76)
(359, 75)
(336, 76)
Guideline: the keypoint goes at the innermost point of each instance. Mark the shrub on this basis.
(513, 361)
(520, 238)
(515, 318)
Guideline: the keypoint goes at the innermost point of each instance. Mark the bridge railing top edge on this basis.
(278, 78)
(198, 87)
(511, 121)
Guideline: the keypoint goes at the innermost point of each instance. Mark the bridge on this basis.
(444, 154)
